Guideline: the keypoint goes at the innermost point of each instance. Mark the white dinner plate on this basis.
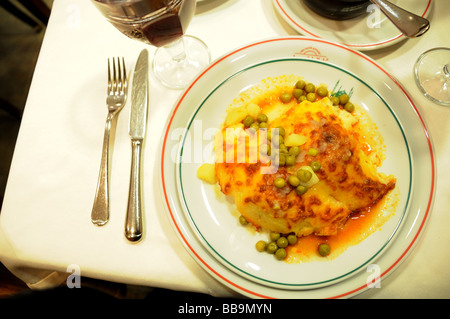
(204, 221)
(367, 32)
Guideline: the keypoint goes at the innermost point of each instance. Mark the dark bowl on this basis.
(338, 9)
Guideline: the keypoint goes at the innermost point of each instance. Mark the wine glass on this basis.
(161, 23)
(432, 75)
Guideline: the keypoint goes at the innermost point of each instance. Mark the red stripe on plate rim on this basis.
(298, 39)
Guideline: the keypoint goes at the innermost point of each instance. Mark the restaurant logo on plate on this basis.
(311, 53)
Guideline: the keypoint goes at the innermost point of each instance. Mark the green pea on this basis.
(281, 254)
(313, 152)
(274, 236)
(309, 88)
(292, 239)
(302, 98)
(263, 125)
(272, 248)
(282, 242)
(297, 93)
(261, 246)
(300, 84)
(248, 121)
(294, 151)
(286, 97)
(254, 126)
(311, 96)
(262, 118)
(349, 107)
(315, 166)
(281, 160)
(334, 100)
(294, 180)
(324, 250)
(277, 140)
(281, 130)
(301, 189)
(343, 99)
(283, 149)
(322, 91)
(279, 182)
(264, 149)
(242, 220)
(272, 139)
(290, 160)
(304, 175)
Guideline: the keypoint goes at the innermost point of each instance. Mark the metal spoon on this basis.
(408, 23)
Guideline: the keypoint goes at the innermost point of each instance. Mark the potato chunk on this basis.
(294, 140)
(207, 173)
(253, 110)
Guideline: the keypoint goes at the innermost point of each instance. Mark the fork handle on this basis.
(133, 223)
(100, 210)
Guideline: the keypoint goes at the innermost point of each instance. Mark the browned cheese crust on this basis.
(348, 180)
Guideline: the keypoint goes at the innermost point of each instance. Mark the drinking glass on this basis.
(432, 75)
(161, 23)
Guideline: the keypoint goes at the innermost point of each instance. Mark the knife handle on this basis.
(133, 224)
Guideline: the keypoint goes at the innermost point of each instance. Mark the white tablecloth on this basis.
(45, 228)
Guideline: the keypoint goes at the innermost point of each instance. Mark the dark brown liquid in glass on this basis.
(338, 9)
(157, 22)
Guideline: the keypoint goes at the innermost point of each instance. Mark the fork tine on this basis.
(119, 77)
(124, 78)
(109, 77)
(115, 76)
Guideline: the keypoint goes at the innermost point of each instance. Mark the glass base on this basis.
(177, 64)
(432, 75)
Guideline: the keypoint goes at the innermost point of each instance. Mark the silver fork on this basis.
(115, 101)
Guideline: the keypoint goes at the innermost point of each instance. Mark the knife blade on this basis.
(137, 126)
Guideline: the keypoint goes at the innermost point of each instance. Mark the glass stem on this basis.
(177, 50)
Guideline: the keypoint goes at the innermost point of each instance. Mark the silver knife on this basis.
(138, 121)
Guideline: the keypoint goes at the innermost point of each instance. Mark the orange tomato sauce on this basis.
(356, 229)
